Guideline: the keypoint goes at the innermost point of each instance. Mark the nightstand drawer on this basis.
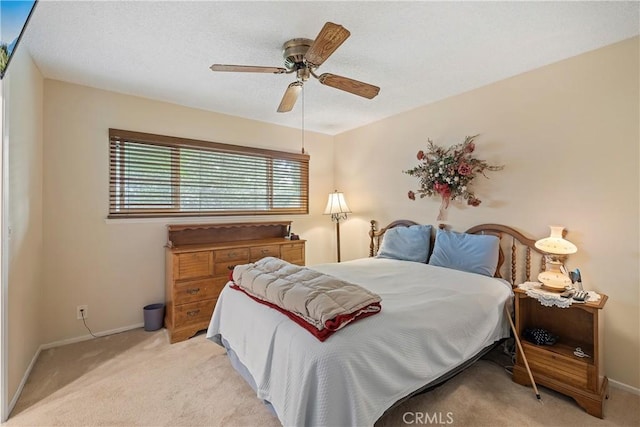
(198, 290)
(191, 265)
(194, 313)
(572, 371)
(259, 252)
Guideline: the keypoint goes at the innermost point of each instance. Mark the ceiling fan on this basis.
(304, 56)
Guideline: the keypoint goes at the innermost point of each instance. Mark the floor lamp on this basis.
(338, 209)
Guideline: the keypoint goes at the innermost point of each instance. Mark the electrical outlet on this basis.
(82, 310)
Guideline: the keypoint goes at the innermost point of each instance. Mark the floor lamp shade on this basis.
(338, 209)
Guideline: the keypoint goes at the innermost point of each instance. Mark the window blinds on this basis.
(155, 175)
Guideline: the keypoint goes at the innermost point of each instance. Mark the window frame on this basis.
(117, 180)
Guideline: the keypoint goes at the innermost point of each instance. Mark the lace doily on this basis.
(550, 299)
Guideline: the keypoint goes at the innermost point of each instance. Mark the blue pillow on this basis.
(475, 253)
(406, 243)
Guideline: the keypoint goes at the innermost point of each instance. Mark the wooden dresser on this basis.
(199, 258)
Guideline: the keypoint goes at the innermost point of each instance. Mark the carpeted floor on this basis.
(137, 378)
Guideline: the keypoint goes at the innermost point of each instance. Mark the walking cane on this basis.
(524, 358)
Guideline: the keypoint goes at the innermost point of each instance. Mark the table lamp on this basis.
(338, 209)
(555, 249)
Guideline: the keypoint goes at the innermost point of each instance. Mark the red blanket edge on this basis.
(331, 326)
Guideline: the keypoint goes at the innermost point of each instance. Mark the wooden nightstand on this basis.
(556, 366)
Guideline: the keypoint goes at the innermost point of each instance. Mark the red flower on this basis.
(420, 155)
(473, 201)
(412, 195)
(442, 189)
(470, 147)
(464, 169)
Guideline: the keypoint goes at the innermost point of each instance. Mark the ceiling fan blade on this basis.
(247, 69)
(349, 85)
(290, 97)
(329, 39)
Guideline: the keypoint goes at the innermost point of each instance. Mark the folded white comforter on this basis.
(319, 299)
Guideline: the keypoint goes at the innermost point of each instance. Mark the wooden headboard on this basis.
(519, 248)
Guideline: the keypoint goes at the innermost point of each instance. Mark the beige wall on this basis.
(117, 267)
(23, 90)
(567, 132)
(568, 136)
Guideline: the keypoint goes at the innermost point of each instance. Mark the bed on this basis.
(435, 321)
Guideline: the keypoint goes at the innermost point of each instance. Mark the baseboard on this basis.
(18, 392)
(88, 337)
(625, 387)
(23, 382)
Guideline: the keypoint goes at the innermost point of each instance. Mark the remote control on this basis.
(580, 296)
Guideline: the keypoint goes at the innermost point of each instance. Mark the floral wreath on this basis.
(449, 172)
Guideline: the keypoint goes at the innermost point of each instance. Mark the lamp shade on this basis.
(336, 204)
(555, 244)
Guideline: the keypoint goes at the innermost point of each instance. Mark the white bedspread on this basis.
(432, 320)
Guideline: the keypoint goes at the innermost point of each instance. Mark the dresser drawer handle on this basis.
(193, 313)
(231, 254)
(265, 251)
(193, 291)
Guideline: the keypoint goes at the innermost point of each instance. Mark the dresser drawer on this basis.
(293, 253)
(191, 265)
(238, 254)
(572, 371)
(194, 313)
(222, 269)
(259, 252)
(198, 290)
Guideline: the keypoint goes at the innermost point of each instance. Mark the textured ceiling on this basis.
(417, 52)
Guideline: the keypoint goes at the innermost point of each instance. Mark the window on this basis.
(161, 176)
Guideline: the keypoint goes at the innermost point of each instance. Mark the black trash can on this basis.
(153, 317)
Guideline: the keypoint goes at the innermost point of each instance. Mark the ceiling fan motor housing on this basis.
(293, 52)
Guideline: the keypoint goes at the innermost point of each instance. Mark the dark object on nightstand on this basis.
(539, 336)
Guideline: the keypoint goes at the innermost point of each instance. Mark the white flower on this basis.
(440, 170)
(441, 163)
(455, 179)
(437, 174)
(463, 188)
(448, 180)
